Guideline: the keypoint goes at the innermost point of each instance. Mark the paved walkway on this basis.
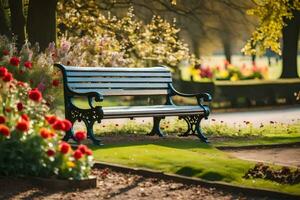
(282, 115)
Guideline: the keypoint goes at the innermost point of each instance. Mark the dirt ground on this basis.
(285, 156)
(113, 185)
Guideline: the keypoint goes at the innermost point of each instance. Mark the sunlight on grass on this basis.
(189, 158)
(233, 135)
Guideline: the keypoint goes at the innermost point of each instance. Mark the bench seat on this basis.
(150, 111)
(97, 83)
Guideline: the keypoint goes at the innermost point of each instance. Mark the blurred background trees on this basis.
(206, 26)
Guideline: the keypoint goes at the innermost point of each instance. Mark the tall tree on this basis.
(17, 21)
(41, 22)
(290, 47)
(278, 19)
(4, 28)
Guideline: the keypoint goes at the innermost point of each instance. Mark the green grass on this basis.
(242, 141)
(186, 157)
(221, 134)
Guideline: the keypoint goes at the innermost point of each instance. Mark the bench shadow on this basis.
(177, 143)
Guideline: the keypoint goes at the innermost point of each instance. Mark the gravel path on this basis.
(113, 185)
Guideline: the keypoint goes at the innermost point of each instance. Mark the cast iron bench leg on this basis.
(68, 135)
(194, 128)
(90, 132)
(156, 128)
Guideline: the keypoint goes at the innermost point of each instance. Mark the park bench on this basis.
(96, 83)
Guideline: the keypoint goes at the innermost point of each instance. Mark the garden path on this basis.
(285, 156)
(264, 115)
(281, 115)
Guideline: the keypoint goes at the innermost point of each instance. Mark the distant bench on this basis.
(96, 83)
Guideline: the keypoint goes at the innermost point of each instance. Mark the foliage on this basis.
(284, 175)
(28, 65)
(272, 16)
(211, 128)
(30, 139)
(142, 44)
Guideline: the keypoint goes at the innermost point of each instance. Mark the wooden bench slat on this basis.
(119, 74)
(119, 80)
(119, 85)
(133, 111)
(116, 69)
(120, 92)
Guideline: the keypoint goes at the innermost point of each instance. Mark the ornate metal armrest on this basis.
(200, 96)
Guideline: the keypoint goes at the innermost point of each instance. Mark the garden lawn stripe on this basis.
(190, 158)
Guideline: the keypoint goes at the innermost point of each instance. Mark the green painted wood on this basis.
(119, 80)
(117, 74)
(157, 110)
(119, 85)
(116, 69)
(121, 92)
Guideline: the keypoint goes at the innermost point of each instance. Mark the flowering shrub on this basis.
(139, 44)
(230, 72)
(30, 139)
(28, 65)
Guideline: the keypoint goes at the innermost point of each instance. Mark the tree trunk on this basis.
(226, 39)
(17, 21)
(290, 47)
(41, 22)
(4, 28)
(227, 49)
(196, 47)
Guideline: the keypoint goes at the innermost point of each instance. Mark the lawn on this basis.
(186, 157)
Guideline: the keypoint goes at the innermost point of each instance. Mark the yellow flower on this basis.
(223, 74)
(70, 164)
(234, 77)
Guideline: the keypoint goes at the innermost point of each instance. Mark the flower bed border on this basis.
(197, 181)
(61, 184)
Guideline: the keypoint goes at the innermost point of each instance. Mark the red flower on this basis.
(4, 130)
(58, 125)
(5, 52)
(8, 77)
(2, 119)
(28, 64)
(51, 119)
(45, 133)
(20, 83)
(77, 154)
(82, 148)
(88, 152)
(3, 71)
(35, 95)
(80, 135)
(20, 106)
(25, 117)
(23, 126)
(50, 152)
(64, 148)
(67, 124)
(55, 82)
(15, 61)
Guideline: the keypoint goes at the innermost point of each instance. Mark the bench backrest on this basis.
(118, 81)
